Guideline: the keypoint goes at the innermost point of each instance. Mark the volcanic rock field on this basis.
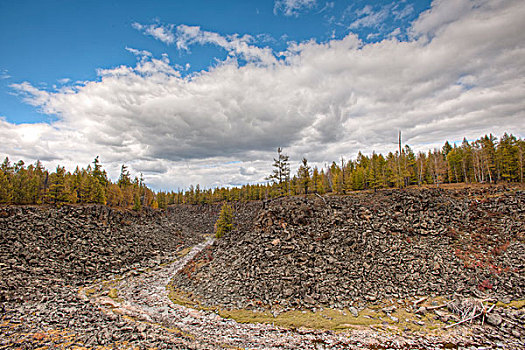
(285, 255)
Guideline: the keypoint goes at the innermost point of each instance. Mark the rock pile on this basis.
(331, 252)
(45, 248)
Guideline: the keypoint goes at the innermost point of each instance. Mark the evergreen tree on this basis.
(507, 158)
(6, 190)
(303, 174)
(224, 223)
(317, 181)
(99, 174)
(136, 202)
(281, 171)
(57, 189)
(124, 179)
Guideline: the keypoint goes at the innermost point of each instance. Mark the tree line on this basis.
(486, 160)
(36, 185)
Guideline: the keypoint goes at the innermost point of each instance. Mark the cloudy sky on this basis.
(191, 92)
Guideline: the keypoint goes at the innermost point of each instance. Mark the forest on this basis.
(486, 160)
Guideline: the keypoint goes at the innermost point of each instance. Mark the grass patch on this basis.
(184, 252)
(329, 319)
(88, 292)
(113, 293)
(326, 319)
(185, 299)
(518, 304)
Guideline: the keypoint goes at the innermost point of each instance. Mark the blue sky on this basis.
(45, 42)
(204, 92)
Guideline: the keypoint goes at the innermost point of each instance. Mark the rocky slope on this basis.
(46, 247)
(47, 253)
(366, 247)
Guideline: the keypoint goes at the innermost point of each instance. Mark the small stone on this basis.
(309, 300)
(421, 311)
(494, 319)
(389, 309)
(353, 311)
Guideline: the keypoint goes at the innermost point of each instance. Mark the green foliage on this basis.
(224, 223)
(35, 185)
(486, 160)
(304, 174)
(6, 189)
(57, 189)
(137, 206)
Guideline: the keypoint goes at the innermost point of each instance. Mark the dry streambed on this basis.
(144, 299)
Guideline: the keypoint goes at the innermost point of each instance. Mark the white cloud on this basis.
(444, 12)
(4, 74)
(370, 18)
(248, 171)
(402, 12)
(327, 6)
(293, 7)
(236, 45)
(159, 31)
(184, 36)
(461, 76)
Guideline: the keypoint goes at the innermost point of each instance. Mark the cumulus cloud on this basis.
(248, 171)
(459, 76)
(442, 13)
(293, 7)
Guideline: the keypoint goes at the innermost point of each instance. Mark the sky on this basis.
(204, 92)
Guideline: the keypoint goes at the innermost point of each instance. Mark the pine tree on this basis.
(317, 181)
(21, 184)
(99, 174)
(488, 156)
(137, 206)
(454, 161)
(6, 190)
(6, 185)
(304, 176)
(281, 172)
(114, 195)
(57, 189)
(507, 158)
(224, 223)
(124, 179)
(521, 158)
